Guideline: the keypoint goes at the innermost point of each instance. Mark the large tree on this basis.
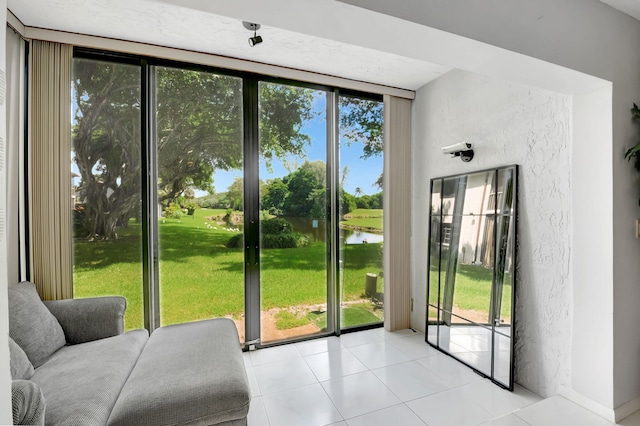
(198, 129)
(361, 121)
(107, 122)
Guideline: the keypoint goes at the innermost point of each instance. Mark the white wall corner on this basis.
(605, 412)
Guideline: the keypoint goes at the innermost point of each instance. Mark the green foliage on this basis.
(283, 110)
(213, 201)
(173, 211)
(276, 226)
(369, 201)
(274, 233)
(292, 240)
(236, 241)
(361, 121)
(191, 207)
(347, 202)
(199, 130)
(634, 151)
(304, 183)
(279, 233)
(81, 225)
(276, 192)
(235, 194)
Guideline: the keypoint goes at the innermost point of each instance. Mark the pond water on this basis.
(359, 237)
(305, 225)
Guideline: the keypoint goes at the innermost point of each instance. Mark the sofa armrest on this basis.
(84, 320)
(27, 403)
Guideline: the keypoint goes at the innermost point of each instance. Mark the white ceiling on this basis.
(166, 24)
(630, 7)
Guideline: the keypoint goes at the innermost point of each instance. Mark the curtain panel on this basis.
(50, 169)
(397, 213)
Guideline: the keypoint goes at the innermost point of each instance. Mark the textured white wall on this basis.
(508, 123)
(590, 37)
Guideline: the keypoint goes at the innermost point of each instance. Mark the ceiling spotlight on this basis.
(256, 39)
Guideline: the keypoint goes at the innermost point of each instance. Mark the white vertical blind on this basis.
(15, 159)
(51, 245)
(397, 213)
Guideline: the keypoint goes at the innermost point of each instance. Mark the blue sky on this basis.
(362, 173)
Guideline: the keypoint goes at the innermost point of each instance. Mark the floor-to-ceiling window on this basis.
(203, 193)
(198, 137)
(107, 183)
(293, 206)
(361, 194)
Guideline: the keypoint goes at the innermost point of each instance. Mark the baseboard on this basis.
(614, 415)
(591, 405)
(628, 408)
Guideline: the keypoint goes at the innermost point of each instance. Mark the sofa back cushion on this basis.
(32, 325)
(21, 367)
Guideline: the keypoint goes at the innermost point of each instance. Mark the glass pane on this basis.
(436, 197)
(432, 324)
(453, 190)
(468, 342)
(361, 211)
(504, 276)
(434, 260)
(505, 190)
(477, 199)
(293, 200)
(106, 184)
(465, 280)
(502, 359)
(200, 196)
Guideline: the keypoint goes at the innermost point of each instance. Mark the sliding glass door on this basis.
(202, 193)
(293, 211)
(360, 211)
(199, 148)
(106, 179)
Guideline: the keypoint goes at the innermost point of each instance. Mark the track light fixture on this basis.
(256, 39)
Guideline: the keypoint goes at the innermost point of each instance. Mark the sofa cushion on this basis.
(82, 382)
(31, 325)
(21, 367)
(189, 373)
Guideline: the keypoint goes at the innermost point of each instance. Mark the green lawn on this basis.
(201, 278)
(364, 213)
(473, 289)
(365, 219)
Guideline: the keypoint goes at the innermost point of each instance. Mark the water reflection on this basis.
(360, 237)
(316, 230)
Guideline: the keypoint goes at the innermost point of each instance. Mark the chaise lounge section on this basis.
(92, 373)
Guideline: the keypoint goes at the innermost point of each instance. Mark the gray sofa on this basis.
(72, 361)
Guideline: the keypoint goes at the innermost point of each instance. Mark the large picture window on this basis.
(203, 193)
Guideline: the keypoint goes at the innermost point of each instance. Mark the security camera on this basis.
(462, 150)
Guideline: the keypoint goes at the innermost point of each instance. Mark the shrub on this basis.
(235, 241)
(275, 226)
(276, 233)
(174, 211)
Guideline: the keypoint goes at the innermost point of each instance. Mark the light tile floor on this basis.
(377, 378)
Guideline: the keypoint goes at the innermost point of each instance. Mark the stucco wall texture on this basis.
(507, 123)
